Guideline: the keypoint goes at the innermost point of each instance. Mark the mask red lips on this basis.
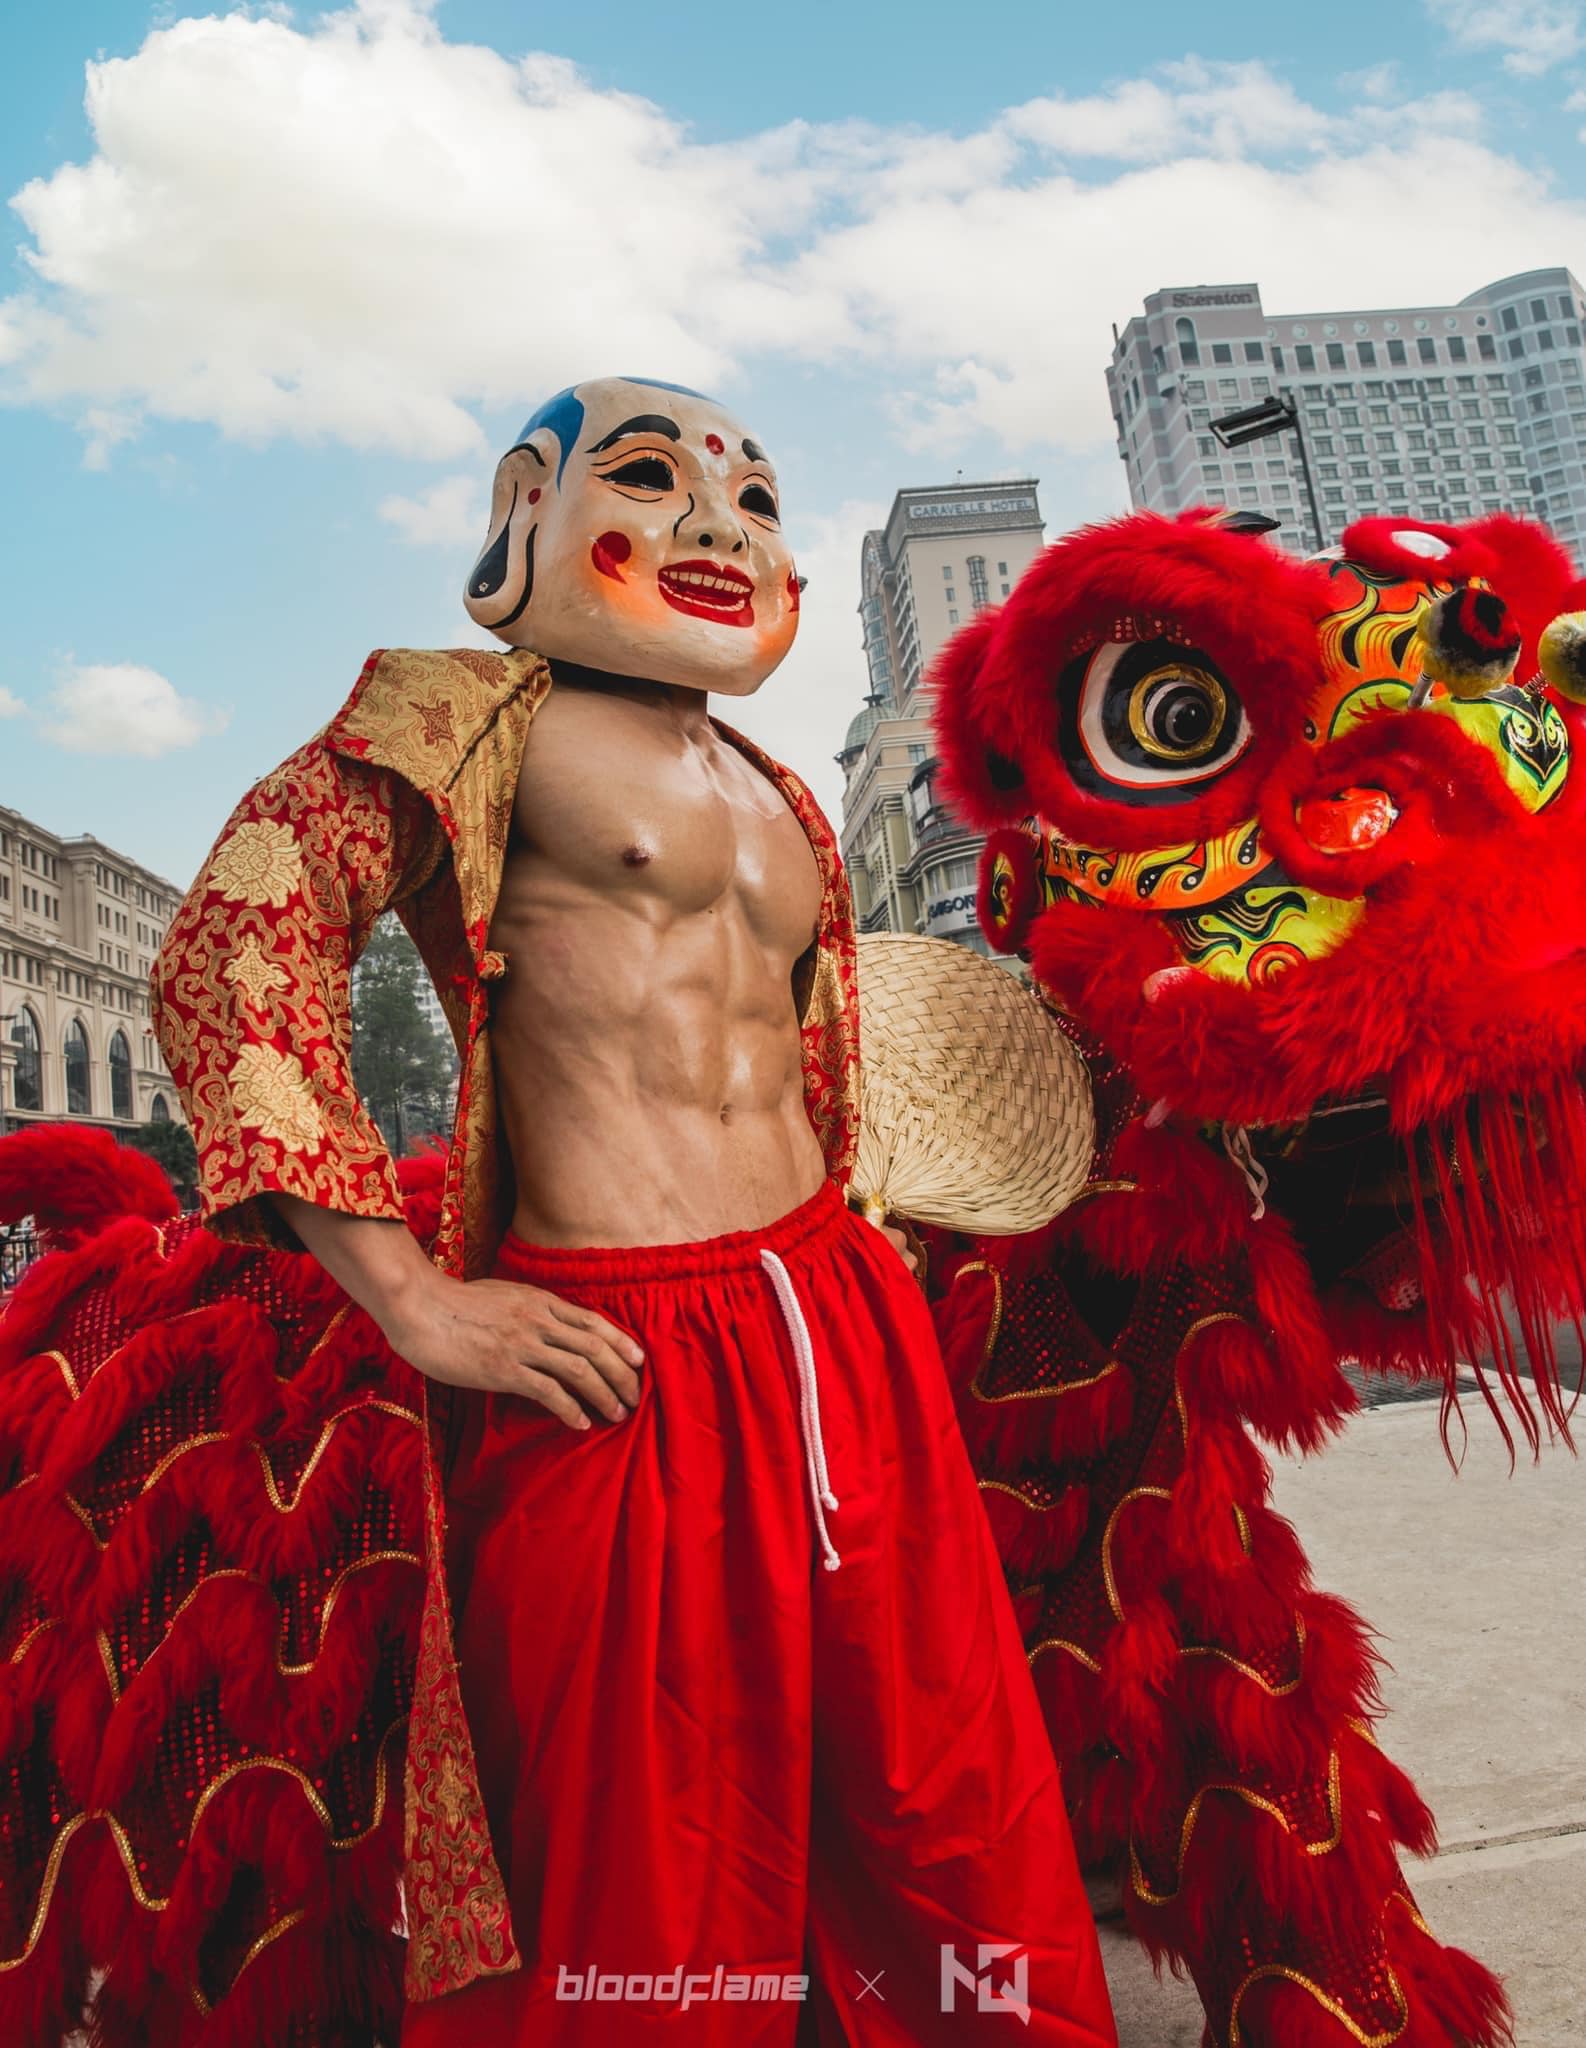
(709, 590)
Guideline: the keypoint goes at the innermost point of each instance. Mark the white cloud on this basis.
(119, 708)
(355, 229)
(1533, 35)
(10, 706)
(453, 513)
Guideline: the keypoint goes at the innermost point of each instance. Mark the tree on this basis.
(401, 1065)
(172, 1145)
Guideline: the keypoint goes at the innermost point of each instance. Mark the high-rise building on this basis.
(79, 929)
(1427, 412)
(943, 555)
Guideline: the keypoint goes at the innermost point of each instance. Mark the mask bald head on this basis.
(636, 527)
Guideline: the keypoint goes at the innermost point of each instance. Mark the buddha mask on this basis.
(635, 527)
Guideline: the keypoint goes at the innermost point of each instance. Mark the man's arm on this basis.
(252, 998)
(494, 1334)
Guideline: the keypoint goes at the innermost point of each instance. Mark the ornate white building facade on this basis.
(79, 928)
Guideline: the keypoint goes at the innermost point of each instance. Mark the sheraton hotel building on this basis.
(1433, 412)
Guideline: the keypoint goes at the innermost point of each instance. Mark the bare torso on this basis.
(656, 895)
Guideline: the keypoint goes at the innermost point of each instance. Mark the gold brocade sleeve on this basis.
(252, 988)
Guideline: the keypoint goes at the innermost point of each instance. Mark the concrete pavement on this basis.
(1476, 1584)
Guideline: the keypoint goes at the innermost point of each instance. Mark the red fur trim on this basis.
(1373, 543)
(75, 1181)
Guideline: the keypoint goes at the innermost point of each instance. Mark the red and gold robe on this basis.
(404, 802)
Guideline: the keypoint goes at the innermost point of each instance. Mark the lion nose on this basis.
(1469, 643)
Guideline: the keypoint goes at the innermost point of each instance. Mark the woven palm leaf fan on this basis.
(975, 1110)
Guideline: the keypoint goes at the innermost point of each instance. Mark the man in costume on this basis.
(696, 1374)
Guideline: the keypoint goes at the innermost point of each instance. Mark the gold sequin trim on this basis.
(32, 1636)
(1331, 2005)
(41, 1912)
(271, 1933)
(67, 1374)
(1135, 1493)
(1276, 1692)
(1062, 1643)
(1335, 1810)
(994, 1330)
(1018, 1493)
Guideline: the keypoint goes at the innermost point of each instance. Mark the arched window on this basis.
(1189, 348)
(159, 1111)
(78, 1101)
(28, 1086)
(121, 1077)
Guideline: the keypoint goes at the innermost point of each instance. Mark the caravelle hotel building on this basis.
(79, 928)
(944, 554)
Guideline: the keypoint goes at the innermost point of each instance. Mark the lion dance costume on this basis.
(1292, 850)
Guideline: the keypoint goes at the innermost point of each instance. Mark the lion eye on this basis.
(1148, 716)
(1178, 715)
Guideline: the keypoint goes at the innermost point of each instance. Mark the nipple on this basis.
(636, 856)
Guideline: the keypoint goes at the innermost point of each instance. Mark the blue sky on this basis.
(277, 295)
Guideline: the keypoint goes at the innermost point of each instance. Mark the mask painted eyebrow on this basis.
(755, 452)
(642, 423)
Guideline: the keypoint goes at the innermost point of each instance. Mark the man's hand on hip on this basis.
(508, 1338)
(496, 1335)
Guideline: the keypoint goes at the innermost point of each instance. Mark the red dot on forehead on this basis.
(715, 443)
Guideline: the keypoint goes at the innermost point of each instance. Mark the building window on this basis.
(78, 1101)
(950, 594)
(952, 618)
(1456, 348)
(979, 592)
(1335, 355)
(1254, 352)
(1426, 349)
(1188, 346)
(28, 1086)
(121, 1077)
(159, 1110)
(1396, 352)
(1222, 352)
(1486, 348)
(1304, 356)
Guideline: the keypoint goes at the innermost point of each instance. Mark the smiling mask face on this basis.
(637, 528)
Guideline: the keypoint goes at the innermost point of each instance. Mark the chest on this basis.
(615, 800)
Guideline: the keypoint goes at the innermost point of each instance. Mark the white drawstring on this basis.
(809, 1400)
(1236, 1143)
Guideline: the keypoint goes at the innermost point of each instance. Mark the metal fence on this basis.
(19, 1247)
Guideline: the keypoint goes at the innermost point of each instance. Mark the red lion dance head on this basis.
(1301, 843)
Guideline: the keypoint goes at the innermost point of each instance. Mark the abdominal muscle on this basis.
(648, 1069)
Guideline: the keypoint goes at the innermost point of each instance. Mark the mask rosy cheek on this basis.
(609, 553)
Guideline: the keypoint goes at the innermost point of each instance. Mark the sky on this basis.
(280, 284)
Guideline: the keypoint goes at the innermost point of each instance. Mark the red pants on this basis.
(722, 1750)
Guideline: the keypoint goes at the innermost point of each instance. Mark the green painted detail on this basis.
(1302, 924)
(1384, 693)
(1526, 734)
